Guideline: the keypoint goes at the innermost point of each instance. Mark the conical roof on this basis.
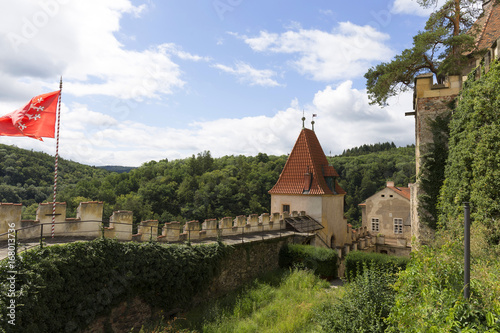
(307, 171)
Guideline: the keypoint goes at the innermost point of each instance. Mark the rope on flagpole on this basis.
(57, 159)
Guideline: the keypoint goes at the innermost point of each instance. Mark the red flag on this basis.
(36, 119)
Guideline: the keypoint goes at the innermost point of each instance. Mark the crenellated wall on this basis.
(88, 224)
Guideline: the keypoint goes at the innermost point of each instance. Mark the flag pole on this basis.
(57, 159)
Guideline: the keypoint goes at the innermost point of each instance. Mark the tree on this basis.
(441, 49)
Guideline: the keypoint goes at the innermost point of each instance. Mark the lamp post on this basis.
(466, 250)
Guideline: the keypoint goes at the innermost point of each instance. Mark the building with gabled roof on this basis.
(308, 183)
(386, 214)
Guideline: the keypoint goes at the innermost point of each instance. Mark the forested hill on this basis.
(27, 176)
(194, 188)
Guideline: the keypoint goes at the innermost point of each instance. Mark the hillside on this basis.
(193, 188)
(28, 177)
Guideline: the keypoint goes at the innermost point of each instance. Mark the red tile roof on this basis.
(307, 158)
(403, 191)
(489, 25)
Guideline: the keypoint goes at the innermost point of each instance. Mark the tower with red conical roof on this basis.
(308, 183)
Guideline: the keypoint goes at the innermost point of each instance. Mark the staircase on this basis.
(308, 225)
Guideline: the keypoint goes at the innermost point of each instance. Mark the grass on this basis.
(284, 301)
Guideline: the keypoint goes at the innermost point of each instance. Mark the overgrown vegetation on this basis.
(283, 301)
(63, 288)
(362, 305)
(431, 176)
(322, 261)
(472, 172)
(430, 292)
(356, 262)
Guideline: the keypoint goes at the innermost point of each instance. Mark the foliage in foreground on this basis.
(357, 261)
(322, 261)
(100, 274)
(363, 305)
(430, 293)
(282, 302)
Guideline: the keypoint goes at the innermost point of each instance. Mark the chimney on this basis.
(390, 184)
(307, 180)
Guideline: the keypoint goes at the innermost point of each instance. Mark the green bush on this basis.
(430, 296)
(364, 304)
(356, 261)
(321, 260)
(64, 288)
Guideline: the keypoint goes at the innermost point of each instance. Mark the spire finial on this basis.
(312, 122)
(303, 119)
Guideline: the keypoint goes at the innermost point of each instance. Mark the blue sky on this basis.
(148, 80)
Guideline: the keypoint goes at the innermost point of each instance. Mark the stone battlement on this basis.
(88, 223)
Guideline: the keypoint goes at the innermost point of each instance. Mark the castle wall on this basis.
(430, 101)
(312, 204)
(9, 213)
(333, 220)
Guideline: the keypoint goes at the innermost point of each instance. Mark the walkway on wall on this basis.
(228, 240)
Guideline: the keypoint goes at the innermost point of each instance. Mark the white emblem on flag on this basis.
(22, 126)
(38, 108)
(33, 117)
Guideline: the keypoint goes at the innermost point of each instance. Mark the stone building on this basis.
(386, 215)
(308, 183)
(432, 100)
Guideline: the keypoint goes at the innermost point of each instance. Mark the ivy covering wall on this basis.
(473, 168)
(64, 288)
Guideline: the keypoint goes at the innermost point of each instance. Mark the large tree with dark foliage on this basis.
(441, 48)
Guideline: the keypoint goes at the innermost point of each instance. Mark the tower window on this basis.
(286, 208)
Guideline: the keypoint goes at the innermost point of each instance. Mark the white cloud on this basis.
(411, 7)
(345, 120)
(247, 74)
(346, 52)
(177, 51)
(76, 39)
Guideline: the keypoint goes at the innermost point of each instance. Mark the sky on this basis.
(150, 80)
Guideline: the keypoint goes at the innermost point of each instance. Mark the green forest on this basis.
(194, 188)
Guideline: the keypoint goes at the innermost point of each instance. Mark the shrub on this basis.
(356, 261)
(321, 260)
(364, 305)
(62, 288)
(430, 296)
